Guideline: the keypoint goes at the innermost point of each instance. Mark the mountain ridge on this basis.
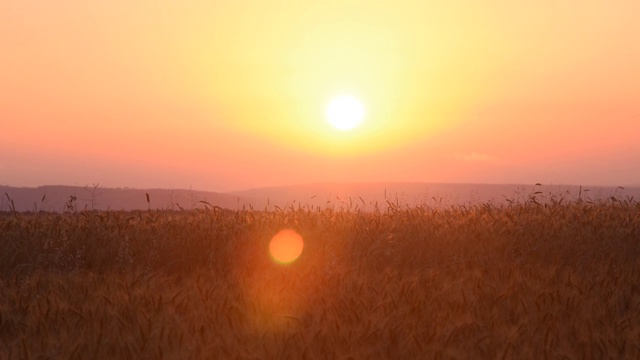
(354, 195)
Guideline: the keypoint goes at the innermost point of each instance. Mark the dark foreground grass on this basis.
(523, 281)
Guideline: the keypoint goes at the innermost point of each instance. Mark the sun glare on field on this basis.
(345, 112)
(286, 246)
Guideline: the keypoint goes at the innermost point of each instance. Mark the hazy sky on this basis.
(225, 95)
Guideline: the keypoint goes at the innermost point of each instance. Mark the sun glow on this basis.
(345, 112)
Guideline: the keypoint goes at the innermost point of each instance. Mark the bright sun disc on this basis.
(286, 246)
(345, 112)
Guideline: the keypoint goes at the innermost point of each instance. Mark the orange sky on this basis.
(218, 95)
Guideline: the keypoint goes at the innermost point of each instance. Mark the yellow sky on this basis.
(224, 95)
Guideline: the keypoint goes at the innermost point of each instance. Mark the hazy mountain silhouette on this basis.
(57, 198)
(365, 196)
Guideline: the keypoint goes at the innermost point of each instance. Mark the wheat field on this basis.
(526, 280)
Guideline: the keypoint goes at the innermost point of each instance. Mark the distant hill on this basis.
(365, 196)
(57, 198)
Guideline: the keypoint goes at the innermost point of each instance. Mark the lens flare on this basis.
(286, 246)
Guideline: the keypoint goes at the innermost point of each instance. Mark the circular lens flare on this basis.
(286, 246)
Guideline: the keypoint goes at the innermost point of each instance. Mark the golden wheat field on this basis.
(525, 280)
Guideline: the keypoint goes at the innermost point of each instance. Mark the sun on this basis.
(345, 112)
